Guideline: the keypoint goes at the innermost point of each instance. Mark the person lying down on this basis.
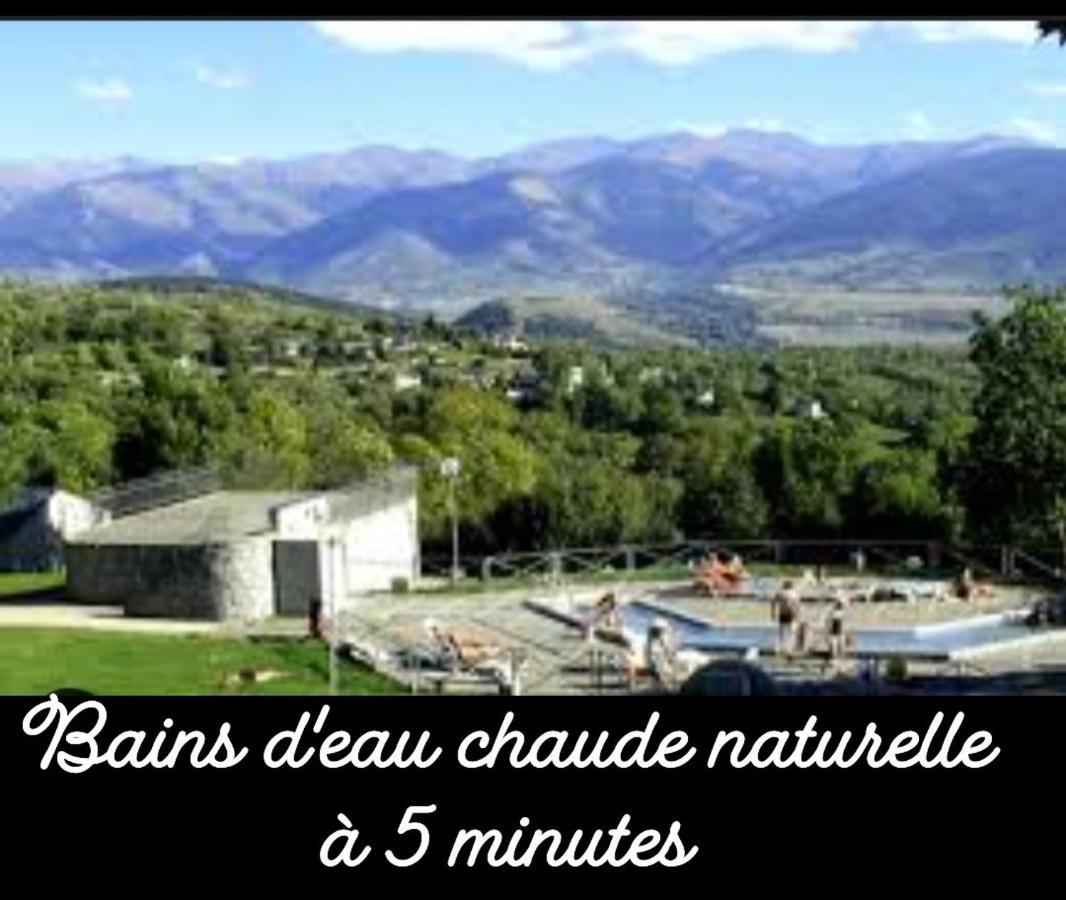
(718, 575)
(462, 648)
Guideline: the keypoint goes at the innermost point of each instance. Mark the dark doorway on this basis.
(297, 578)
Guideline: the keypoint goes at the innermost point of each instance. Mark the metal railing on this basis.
(158, 490)
(929, 557)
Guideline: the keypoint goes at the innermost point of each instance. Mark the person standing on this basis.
(314, 618)
(835, 628)
(784, 608)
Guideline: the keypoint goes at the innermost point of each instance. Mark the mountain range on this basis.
(429, 229)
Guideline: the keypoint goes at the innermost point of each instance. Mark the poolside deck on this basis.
(557, 659)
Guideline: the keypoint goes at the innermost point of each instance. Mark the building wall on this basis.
(349, 541)
(230, 581)
(301, 519)
(379, 545)
(69, 514)
(32, 537)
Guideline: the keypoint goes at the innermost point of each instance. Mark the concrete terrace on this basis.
(216, 517)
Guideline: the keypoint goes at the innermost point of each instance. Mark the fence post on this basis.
(933, 553)
(486, 568)
(631, 560)
(556, 565)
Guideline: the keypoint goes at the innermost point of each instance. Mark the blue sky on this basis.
(212, 90)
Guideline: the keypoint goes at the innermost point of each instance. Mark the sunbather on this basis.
(462, 650)
(718, 576)
(708, 574)
(734, 569)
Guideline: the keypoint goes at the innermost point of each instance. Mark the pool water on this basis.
(949, 640)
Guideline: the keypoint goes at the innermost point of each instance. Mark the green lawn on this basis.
(36, 661)
(29, 582)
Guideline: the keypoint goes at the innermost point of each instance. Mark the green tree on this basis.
(1016, 485)
(17, 443)
(898, 496)
(267, 446)
(345, 449)
(75, 445)
(806, 470)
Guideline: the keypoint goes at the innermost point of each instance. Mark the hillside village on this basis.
(567, 442)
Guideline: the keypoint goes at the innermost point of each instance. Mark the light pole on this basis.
(450, 468)
(333, 586)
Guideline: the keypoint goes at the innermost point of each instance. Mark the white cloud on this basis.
(1034, 129)
(555, 44)
(224, 79)
(225, 160)
(680, 42)
(707, 130)
(539, 44)
(918, 124)
(949, 31)
(717, 129)
(108, 90)
(1047, 89)
(766, 125)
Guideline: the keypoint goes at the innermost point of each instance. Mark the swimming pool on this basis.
(958, 639)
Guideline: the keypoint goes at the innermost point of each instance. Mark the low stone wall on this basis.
(229, 581)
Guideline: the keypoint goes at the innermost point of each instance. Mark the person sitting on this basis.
(708, 575)
(634, 655)
(1039, 615)
(964, 584)
(605, 614)
(966, 587)
(718, 576)
(734, 572)
(661, 654)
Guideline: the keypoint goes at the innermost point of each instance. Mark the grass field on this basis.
(834, 316)
(37, 661)
(12, 583)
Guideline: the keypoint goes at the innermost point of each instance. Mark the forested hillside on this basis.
(562, 443)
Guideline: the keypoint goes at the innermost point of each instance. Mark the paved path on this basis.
(52, 614)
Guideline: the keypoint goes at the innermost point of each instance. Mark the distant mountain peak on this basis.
(586, 212)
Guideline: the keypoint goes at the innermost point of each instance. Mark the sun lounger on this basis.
(457, 650)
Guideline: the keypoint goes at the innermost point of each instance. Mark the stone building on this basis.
(246, 555)
(34, 524)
